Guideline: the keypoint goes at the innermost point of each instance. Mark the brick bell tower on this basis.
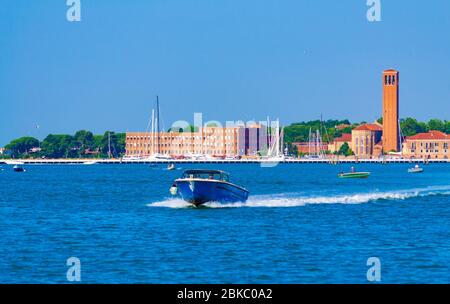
(391, 138)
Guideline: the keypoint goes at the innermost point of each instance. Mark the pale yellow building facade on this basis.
(430, 145)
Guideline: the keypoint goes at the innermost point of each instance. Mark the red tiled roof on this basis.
(368, 127)
(344, 138)
(430, 135)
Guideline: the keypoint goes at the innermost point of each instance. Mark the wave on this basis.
(281, 200)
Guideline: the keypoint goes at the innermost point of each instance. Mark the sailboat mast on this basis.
(269, 135)
(309, 141)
(109, 144)
(152, 133)
(157, 124)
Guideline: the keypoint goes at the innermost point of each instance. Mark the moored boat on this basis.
(416, 169)
(201, 186)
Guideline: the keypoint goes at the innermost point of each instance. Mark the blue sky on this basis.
(229, 59)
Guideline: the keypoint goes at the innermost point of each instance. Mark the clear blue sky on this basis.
(229, 59)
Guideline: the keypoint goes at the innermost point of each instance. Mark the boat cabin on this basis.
(206, 174)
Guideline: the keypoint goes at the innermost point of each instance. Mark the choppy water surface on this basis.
(301, 224)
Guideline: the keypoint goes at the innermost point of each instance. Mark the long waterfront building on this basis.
(208, 141)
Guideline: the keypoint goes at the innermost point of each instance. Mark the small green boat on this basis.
(354, 175)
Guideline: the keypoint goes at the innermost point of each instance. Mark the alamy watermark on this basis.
(374, 272)
(74, 272)
(258, 138)
(74, 10)
(374, 11)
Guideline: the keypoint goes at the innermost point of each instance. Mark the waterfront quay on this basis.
(217, 161)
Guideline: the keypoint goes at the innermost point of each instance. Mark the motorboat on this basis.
(93, 162)
(416, 169)
(18, 168)
(14, 162)
(200, 186)
(171, 167)
(353, 174)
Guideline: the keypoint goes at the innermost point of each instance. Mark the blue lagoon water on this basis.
(301, 224)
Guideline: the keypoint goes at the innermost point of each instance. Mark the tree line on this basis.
(83, 144)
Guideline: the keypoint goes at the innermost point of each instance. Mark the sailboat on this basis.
(155, 146)
(276, 143)
(315, 142)
(315, 145)
(154, 152)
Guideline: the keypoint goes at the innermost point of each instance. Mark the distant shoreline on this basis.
(90, 161)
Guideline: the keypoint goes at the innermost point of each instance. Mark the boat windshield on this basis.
(207, 175)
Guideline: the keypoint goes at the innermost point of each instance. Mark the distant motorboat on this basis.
(14, 162)
(89, 162)
(201, 186)
(18, 168)
(416, 169)
(353, 174)
(171, 167)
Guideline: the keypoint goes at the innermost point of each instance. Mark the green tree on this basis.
(59, 146)
(83, 140)
(436, 124)
(345, 150)
(113, 141)
(97, 141)
(447, 127)
(21, 146)
(121, 141)
(411, 126)
(300, 131)
(292, 149)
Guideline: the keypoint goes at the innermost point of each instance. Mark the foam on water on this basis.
(280, 200)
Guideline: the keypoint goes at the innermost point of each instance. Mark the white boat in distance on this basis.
(416, 169)
(14, 162)
(93, 162)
